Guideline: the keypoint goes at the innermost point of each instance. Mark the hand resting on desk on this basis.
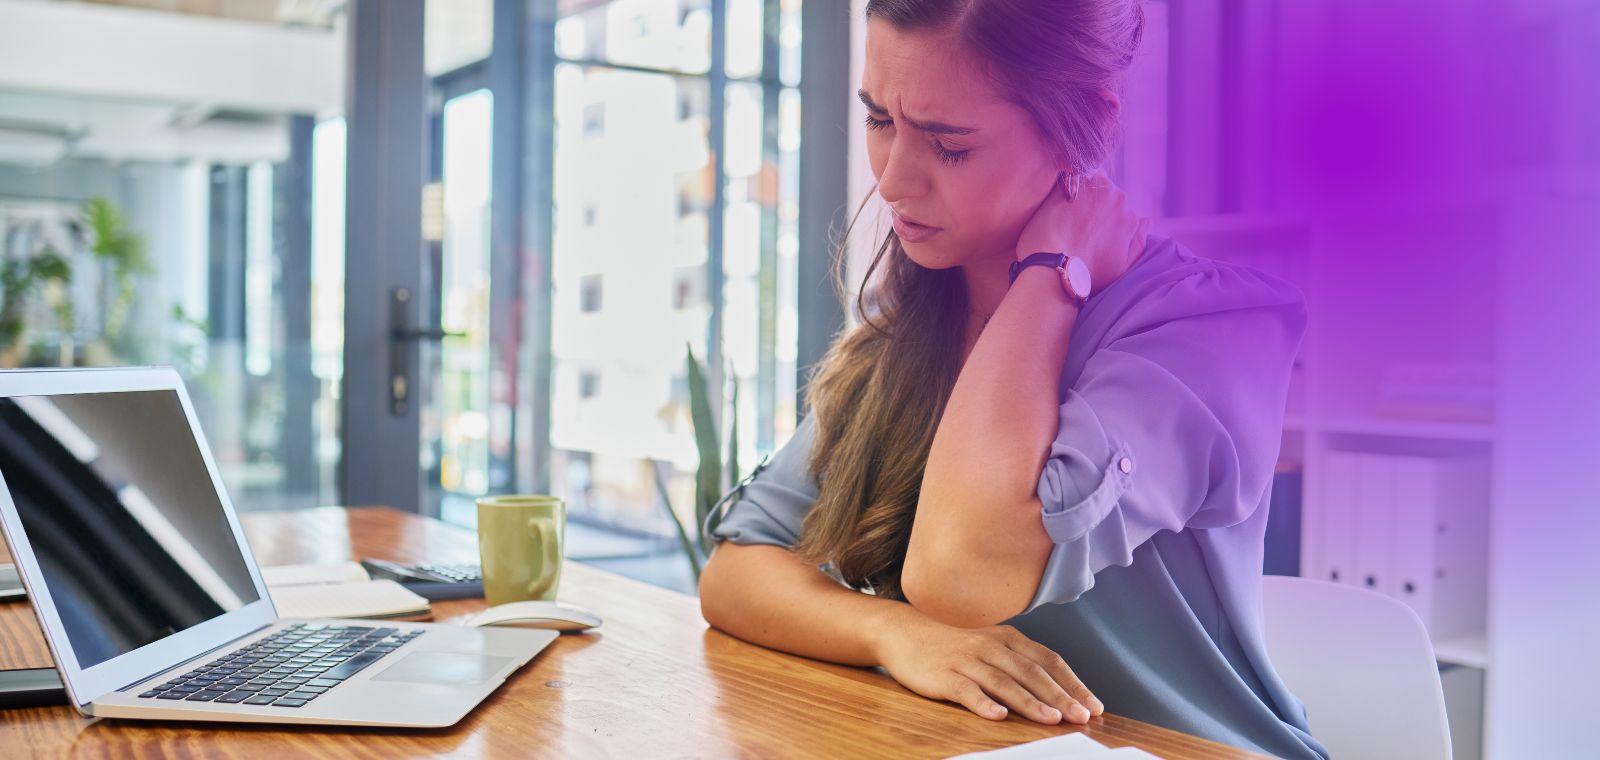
(975, 667)
(767, 595)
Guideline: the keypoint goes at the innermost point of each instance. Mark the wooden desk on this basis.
(654, 681)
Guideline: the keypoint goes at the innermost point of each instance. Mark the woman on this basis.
(1056, 502)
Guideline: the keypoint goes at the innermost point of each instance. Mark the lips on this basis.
(912, 231)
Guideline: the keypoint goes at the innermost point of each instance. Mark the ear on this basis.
(1113, 102)
(1063, 167)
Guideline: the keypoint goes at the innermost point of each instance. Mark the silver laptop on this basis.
(150, 598)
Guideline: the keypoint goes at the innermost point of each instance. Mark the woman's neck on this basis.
(987, 281)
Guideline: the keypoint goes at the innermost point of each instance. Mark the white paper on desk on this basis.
(311, 574)
(1065, 745)
(367, 599)
(1076, 746)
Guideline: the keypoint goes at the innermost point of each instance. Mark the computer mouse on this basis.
(557, 616)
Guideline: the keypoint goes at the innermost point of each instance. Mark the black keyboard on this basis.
(433, 581)
(287, 669)
(457, 573)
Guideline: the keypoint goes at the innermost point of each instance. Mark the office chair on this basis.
(1363, 665)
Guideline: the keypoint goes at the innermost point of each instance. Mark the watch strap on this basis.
(1052, 260)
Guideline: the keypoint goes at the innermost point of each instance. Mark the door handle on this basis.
(422, 333)
(402, 334)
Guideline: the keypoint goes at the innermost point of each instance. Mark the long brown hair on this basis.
(878, 394)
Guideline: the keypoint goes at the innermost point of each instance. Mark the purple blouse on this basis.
(1155, 494)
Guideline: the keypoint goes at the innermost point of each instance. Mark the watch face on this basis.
(1076, 275)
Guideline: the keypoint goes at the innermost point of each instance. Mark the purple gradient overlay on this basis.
(1444, 160)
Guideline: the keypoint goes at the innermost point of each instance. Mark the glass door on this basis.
(596, 191)
(425, 430)
(457, 421)
(466, 424)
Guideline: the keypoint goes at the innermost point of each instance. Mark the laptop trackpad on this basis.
(449, 668)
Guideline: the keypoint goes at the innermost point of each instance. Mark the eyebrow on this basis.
(935, 127)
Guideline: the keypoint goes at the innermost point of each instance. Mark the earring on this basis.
(1069, 185)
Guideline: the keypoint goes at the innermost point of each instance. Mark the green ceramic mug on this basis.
(520, 546)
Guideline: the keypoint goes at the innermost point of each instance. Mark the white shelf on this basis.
(1482, 432)
(1248, 225)
(1471, 651)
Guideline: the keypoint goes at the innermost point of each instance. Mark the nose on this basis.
(902, 177)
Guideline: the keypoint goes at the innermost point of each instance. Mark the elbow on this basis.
(977, 580)
(711, 599)
(962, 598)
(954, 613)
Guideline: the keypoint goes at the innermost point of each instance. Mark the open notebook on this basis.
(339, 590)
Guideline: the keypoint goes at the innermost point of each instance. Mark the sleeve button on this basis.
(1125, 464)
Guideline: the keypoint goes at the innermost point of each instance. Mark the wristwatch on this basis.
(1074, 273)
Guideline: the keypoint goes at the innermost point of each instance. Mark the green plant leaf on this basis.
(49, 265)
(105, 225)
(733, 435)
(689, 551)
(708, 476)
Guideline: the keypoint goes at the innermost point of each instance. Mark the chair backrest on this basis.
(1363, 665)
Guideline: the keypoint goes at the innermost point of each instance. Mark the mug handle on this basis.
(543, 531)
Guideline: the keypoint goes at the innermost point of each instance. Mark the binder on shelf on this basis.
(1314, 524)
(1414, 527)
(1332, 531)
(1415, 564)
(1375, 520)
(1448, 557)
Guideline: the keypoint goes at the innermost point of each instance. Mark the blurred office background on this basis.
(534, 186)
(410, 252)
(568, 194)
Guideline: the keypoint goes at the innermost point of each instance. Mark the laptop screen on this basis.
(116, 501)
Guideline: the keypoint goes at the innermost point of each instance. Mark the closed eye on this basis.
(947, 156)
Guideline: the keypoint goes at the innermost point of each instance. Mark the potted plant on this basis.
(122, 252)
(21, 280)
(712, 479)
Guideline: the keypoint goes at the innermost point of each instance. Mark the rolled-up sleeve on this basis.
(1174, 422)
(771, 506)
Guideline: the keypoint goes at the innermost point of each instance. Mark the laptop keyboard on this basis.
(287, 669)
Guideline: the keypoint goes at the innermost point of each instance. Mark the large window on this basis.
(463, 424)
(675, 186)
(457, 424)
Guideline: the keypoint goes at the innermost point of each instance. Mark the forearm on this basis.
(769, 596)
(977, 517)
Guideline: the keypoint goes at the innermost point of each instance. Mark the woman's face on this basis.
(962, 168)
